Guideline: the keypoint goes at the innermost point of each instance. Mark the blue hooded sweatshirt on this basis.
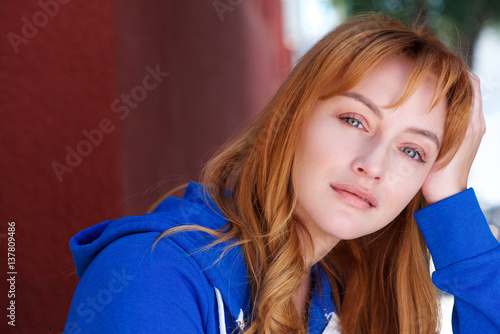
(180, 287)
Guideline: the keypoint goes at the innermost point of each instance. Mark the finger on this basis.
(478, 123)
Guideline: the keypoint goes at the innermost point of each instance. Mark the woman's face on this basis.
(358, 163)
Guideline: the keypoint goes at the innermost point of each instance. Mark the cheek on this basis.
(403, 181)
(326, 143)
(404, 175)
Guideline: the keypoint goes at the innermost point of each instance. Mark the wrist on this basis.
(443, 193)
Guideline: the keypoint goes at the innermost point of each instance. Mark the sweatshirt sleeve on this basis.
(466, 256)
(130, 289)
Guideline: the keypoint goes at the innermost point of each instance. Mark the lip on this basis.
(356, 195)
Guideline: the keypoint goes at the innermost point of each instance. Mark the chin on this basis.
(349, 235)
(344, 226)
(347, 232)
(349, 229)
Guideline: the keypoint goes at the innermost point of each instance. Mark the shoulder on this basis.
(130, 286)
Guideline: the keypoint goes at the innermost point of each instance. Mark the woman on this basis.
(305, 221)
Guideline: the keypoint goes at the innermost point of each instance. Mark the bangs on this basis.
(427, 63)
(351, 53)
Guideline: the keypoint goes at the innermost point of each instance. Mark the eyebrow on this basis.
(367, 102)
(426, 133)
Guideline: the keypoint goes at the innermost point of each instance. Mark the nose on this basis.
(371, 161)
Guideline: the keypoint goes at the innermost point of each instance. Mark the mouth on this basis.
(356, 196)
(364, 199)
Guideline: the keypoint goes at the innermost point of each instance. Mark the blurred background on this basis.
(107, 105)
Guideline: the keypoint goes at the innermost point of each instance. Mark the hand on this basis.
(452, 179)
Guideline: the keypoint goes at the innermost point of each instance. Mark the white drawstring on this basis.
(331, 328)
(220, 308)
(333, 323)
(241, 321)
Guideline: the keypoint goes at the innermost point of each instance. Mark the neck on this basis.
(301, 296)
(321, 245)
(315, 244)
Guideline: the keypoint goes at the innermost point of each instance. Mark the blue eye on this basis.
(414, 153)
(352, 121)
(410, 152)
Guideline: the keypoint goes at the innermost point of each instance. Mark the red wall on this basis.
(69, 76)
(223, 67)
(58, 84)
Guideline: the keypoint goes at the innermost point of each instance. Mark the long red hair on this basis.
(381, 282)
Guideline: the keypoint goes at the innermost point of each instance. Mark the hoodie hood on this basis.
(226, 273)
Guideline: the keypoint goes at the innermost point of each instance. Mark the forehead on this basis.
(386, 83)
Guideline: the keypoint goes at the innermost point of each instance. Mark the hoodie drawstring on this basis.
(331, 328)
(220, 308)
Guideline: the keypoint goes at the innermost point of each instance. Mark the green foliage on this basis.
(457, 22)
